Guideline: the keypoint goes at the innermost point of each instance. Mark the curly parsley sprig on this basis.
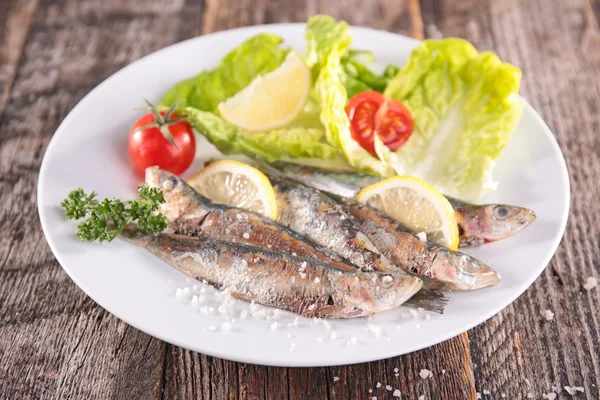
(108, 218)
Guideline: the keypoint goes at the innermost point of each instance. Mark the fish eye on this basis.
(500, 212)
(169, 184)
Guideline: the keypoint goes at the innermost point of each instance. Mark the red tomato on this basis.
(371, 113)
(148, 146)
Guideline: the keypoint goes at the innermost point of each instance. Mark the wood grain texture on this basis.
(56, 342)
(557, 49)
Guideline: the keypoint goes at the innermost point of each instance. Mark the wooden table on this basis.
(56, 342)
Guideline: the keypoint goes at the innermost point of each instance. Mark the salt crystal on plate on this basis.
(274, 326)
(549, 315)
(427, 316)
(333, 335)
(413, 313)
(590, 283)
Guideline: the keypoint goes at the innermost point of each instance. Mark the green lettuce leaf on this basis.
(327, 42)
(255, 57)
(288, 143)
(357, 77)
(465, 108)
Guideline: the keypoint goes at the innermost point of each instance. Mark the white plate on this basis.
(89, 151)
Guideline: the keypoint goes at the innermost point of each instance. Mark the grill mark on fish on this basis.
(264, 276)
(318, 217)
(477, 224)
(440, 268)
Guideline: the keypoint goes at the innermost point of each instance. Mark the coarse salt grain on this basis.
(376, 330)
(549, 396)
(225, 326)
(352, 340)
(396, 375)
(396, 393)
(396, 370)
(485, 391)
(503, 395)
(378, 385)
(590, 283)
(549, 315)
(246, 235)
(572, 390)
(374, 398)
(370, 390)
(274, 326)
(443, 372)
(335, 379)
(413, 313)
(317, 280)
(425, 373)
(182, 294)
(422, 236)
(311, 307)
(388, 387)
(421, 397)
(427, 316)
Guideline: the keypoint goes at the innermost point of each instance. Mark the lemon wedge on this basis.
(238, 185)
(417, 205)
(272, 100)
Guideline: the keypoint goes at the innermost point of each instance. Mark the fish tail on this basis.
(431, 300)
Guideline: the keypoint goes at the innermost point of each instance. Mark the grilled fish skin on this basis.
(477, 224)
(486, 223)
(303, 285)
(440, 268)
(318, 217)
(190, 213)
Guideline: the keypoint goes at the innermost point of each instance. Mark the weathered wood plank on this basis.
(54, 340)
(519, 352)
(15, 21)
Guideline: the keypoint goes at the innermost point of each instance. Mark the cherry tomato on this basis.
(151, 143)
(371, 113)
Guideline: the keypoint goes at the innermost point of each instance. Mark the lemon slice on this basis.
(236, 184)
(416, 204)
(272, 100)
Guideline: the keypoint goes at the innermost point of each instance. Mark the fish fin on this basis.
(133, 235)
(431, 300)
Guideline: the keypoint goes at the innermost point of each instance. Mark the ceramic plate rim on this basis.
(257, 360)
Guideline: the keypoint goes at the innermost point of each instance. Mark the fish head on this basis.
(376, 292)
(492, 222)
(179, 196)
(460, 271)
